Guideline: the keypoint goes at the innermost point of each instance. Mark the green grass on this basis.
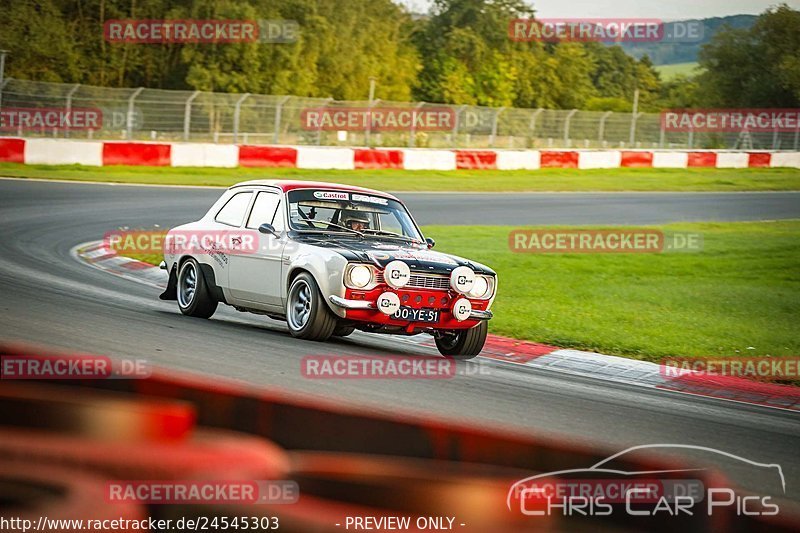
(669, 72)
(739, 296)
(625, 179)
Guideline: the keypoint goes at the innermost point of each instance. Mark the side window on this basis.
(232, 213)
(263, 211)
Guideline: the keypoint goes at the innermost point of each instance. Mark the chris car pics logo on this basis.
(602, 490)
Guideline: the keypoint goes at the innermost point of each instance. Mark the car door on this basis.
(255, 274)
(223, 228)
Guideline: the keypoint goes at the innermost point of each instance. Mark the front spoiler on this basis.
(366, 304)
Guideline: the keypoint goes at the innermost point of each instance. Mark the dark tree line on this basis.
(459, 53)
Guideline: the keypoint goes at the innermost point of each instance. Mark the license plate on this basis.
(416, 315)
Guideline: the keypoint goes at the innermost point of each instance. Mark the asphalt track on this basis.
(51, 299)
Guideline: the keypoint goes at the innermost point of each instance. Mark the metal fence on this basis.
(163, 115)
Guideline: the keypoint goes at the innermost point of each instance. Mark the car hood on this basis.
(381, 253)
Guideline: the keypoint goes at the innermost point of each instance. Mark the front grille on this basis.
(439, 282)
(430, 281)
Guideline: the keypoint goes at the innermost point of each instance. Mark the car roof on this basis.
(289, 185)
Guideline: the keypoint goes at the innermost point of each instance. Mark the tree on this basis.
(468, 56)
(40, 45)
(342, 43)
(681, 92)
(758, 67)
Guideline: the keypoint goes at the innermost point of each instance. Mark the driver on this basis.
(355, 220)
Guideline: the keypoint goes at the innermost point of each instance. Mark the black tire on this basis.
(194, 301)
(343, 331)
(307, 315)
(463, 344)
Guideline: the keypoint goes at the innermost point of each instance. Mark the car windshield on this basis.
(350, 212)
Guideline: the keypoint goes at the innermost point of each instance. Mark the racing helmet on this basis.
(350, 217)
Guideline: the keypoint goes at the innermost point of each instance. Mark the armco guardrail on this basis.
(104, 153)
(195, 116)
(346, 461)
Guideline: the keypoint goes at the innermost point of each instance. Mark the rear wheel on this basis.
(192, 291)
(307, 315)
(463, 344)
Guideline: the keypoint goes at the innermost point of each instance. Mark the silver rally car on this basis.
(327, 259)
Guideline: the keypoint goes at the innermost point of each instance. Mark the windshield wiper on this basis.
(345, 228)
(392, 234)
(326, 230)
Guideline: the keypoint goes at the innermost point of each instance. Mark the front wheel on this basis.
(192, 291)
(307, 316)
(463, 344)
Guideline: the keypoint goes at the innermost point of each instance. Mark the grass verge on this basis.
(623, 179)
(738, 296)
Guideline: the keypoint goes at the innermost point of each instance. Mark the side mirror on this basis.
(431, 242)
(267, 229)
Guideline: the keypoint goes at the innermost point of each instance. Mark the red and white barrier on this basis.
(135, 154)
(559, 159)
(12, 150)
(636, 159)
(267, 156)
(476, 159)
(58, 152)
(670, 159)
(702, 159)
(371, 158)
(785, 159)
(518, 159)
(733, 160)
(204, 155)
(325, 158)
(600, 159)
(104, 153)
(425, 159)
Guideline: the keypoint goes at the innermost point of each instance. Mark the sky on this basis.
(666, 10)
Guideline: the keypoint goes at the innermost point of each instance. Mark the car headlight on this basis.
(359, 276)
(480, 288)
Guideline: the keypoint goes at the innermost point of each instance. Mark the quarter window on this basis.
(263, 211)
(233, 212)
